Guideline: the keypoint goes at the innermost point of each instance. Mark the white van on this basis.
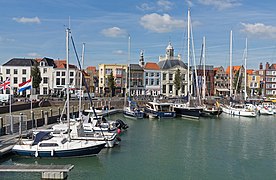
(5, 99)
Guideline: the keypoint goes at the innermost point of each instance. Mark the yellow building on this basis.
(253, 82)
(119, 74)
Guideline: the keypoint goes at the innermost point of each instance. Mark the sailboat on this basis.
(131, 109)
(246, 110)
(45, 144)
(212, 109)
(184, 109)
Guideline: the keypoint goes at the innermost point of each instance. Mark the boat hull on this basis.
(239, 112)
(134, 114)
(158, 114)
(51, 152)
(188, 112)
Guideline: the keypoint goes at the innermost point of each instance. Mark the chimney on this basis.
(261, 66)
(267, 65)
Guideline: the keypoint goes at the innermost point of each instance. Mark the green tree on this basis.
(36, 77)
(177, 79)
(111, 83)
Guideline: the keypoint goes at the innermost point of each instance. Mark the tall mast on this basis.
(204, 70)
(129, 41)
(80, 90)
(245, 69)
(231, 39)
(67, 81)
(188, 57)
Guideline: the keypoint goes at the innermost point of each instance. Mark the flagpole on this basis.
(10, 108)
(31, 94)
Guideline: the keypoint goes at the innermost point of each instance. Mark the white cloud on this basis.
(27, 20)
(160, 5)
(189, 3)
(220, 4)
(145, 7)
(33, 54)
(159, 23)
(119, 52)
(114, 32)
(6, 40)
(260, 30)
(165, 5)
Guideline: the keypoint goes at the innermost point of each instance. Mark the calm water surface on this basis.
(212, 148)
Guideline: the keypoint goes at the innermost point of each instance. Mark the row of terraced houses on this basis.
(145, 78)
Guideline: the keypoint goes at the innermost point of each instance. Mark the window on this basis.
(71, 80)
(15, 80)
(58, 73)
(147, 81)
(57, 81)
(8, 71)
(164, 76)
(253, 78)
(157, 82)
(170, 77)
(71, 74)
(62, 73)
(62, 81)
(44, 70)
(45, 90)
(164, 89)
(45, 80)
(152, 82)
(24, 71)
(15, 71)
(147, 74)
(152, 74)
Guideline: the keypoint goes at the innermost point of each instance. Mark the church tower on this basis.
(169, 51)
(141, 60)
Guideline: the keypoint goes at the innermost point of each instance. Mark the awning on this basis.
(223, 90)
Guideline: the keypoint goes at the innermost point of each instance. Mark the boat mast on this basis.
(81, 76)
(231, 38)
(67, 81)
(204, 70)
(245, 69)
(188, 57)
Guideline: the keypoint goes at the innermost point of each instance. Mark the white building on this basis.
(53, 74)
(152, 77)
(18, 70)
(169, 64)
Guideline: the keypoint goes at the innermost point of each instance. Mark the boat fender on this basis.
(52, 152)
(119, 131)
(36, 153)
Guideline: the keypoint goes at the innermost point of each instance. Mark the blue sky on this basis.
(36, 29)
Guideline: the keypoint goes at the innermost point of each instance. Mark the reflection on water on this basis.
(213, 148)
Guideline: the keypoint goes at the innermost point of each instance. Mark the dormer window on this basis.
(42, 63)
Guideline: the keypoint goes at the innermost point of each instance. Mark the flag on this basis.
(5, 84)
(25, 85)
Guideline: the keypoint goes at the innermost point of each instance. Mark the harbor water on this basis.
(224, 147)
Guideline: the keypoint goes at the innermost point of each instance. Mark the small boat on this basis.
(85, 131)
(246, 110)
(44, 144)
(133, 110)
(185, 110)
(159, 110)
(211, 110)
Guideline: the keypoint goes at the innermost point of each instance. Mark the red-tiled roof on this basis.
(152, 66)
(234, 69)
(62, 64)
(91, 68)
(249, 71)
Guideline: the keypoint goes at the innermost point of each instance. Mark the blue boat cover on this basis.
(39, 136)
